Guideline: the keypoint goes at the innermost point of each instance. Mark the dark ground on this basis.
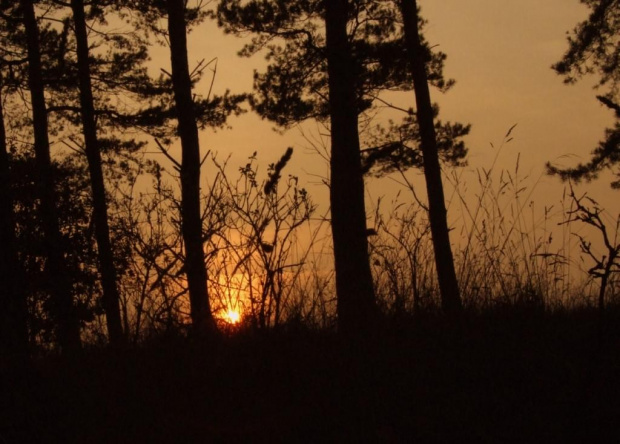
(499, 379)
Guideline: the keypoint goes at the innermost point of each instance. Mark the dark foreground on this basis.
(508, 379)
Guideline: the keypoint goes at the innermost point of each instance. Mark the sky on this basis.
(500, 54)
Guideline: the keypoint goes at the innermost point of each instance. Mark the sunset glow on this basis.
(309, 221)
(232, 316)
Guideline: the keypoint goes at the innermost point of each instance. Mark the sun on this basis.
(232, 316)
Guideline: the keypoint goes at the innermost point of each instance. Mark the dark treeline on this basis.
(69, 79)
(146, 302)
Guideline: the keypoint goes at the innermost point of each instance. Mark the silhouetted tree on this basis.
(74, 210)
(13, 315)
(68, 332)
(418, 60)
(586, 210)
(191, 223)
(330, 61)
(181, 113)
(594, 48)
(356, 300)
(396, 146)
(85, 74)
(93, 155)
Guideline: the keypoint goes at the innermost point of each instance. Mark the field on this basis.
(490, 377)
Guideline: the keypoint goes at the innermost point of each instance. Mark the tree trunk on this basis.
(356, 304)
(13, 310)
(93, 155)
(448, 285)
(191, 221)
(68, 328)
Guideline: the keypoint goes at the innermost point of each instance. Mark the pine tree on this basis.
(448, 285)
(357, 307)
(93, 155)
(182, 115)
(13, 310)
(68, 330)
(195, 268)
(330, 61)
(594, 48)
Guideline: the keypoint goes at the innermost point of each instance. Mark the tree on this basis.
(68, 332)
(594, 48)
(195, 268)
(418, 59)
(74, 210)
(356, 300)
(181, 113)
(99, 81)
(93, 155)
(98, 84)
(13, 317)
(13, 309)
(330, 61)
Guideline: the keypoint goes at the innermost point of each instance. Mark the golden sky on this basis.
(499, 53)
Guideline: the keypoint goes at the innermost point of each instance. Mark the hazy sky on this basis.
(499, 53)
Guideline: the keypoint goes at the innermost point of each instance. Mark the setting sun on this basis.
(232, 316)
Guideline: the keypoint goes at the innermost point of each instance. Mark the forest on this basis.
(152, 290)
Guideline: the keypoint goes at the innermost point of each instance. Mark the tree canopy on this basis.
(594, 49)
(294, 85)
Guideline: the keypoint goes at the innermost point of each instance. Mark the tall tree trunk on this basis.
(13, 310)
(191, 220)
(356, 303)
(448, 285)
(68, 328)
(93, 155)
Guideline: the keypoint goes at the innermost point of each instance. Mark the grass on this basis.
(531, 359)
(493, 377)
(508, 250)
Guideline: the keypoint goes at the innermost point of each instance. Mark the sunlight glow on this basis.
(232, 316)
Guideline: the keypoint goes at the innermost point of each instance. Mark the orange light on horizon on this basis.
(232, 316)
(230, 296)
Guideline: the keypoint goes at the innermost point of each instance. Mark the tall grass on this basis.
(510, 252)
(269, 254)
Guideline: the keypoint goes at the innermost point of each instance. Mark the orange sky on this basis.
(499, 52)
